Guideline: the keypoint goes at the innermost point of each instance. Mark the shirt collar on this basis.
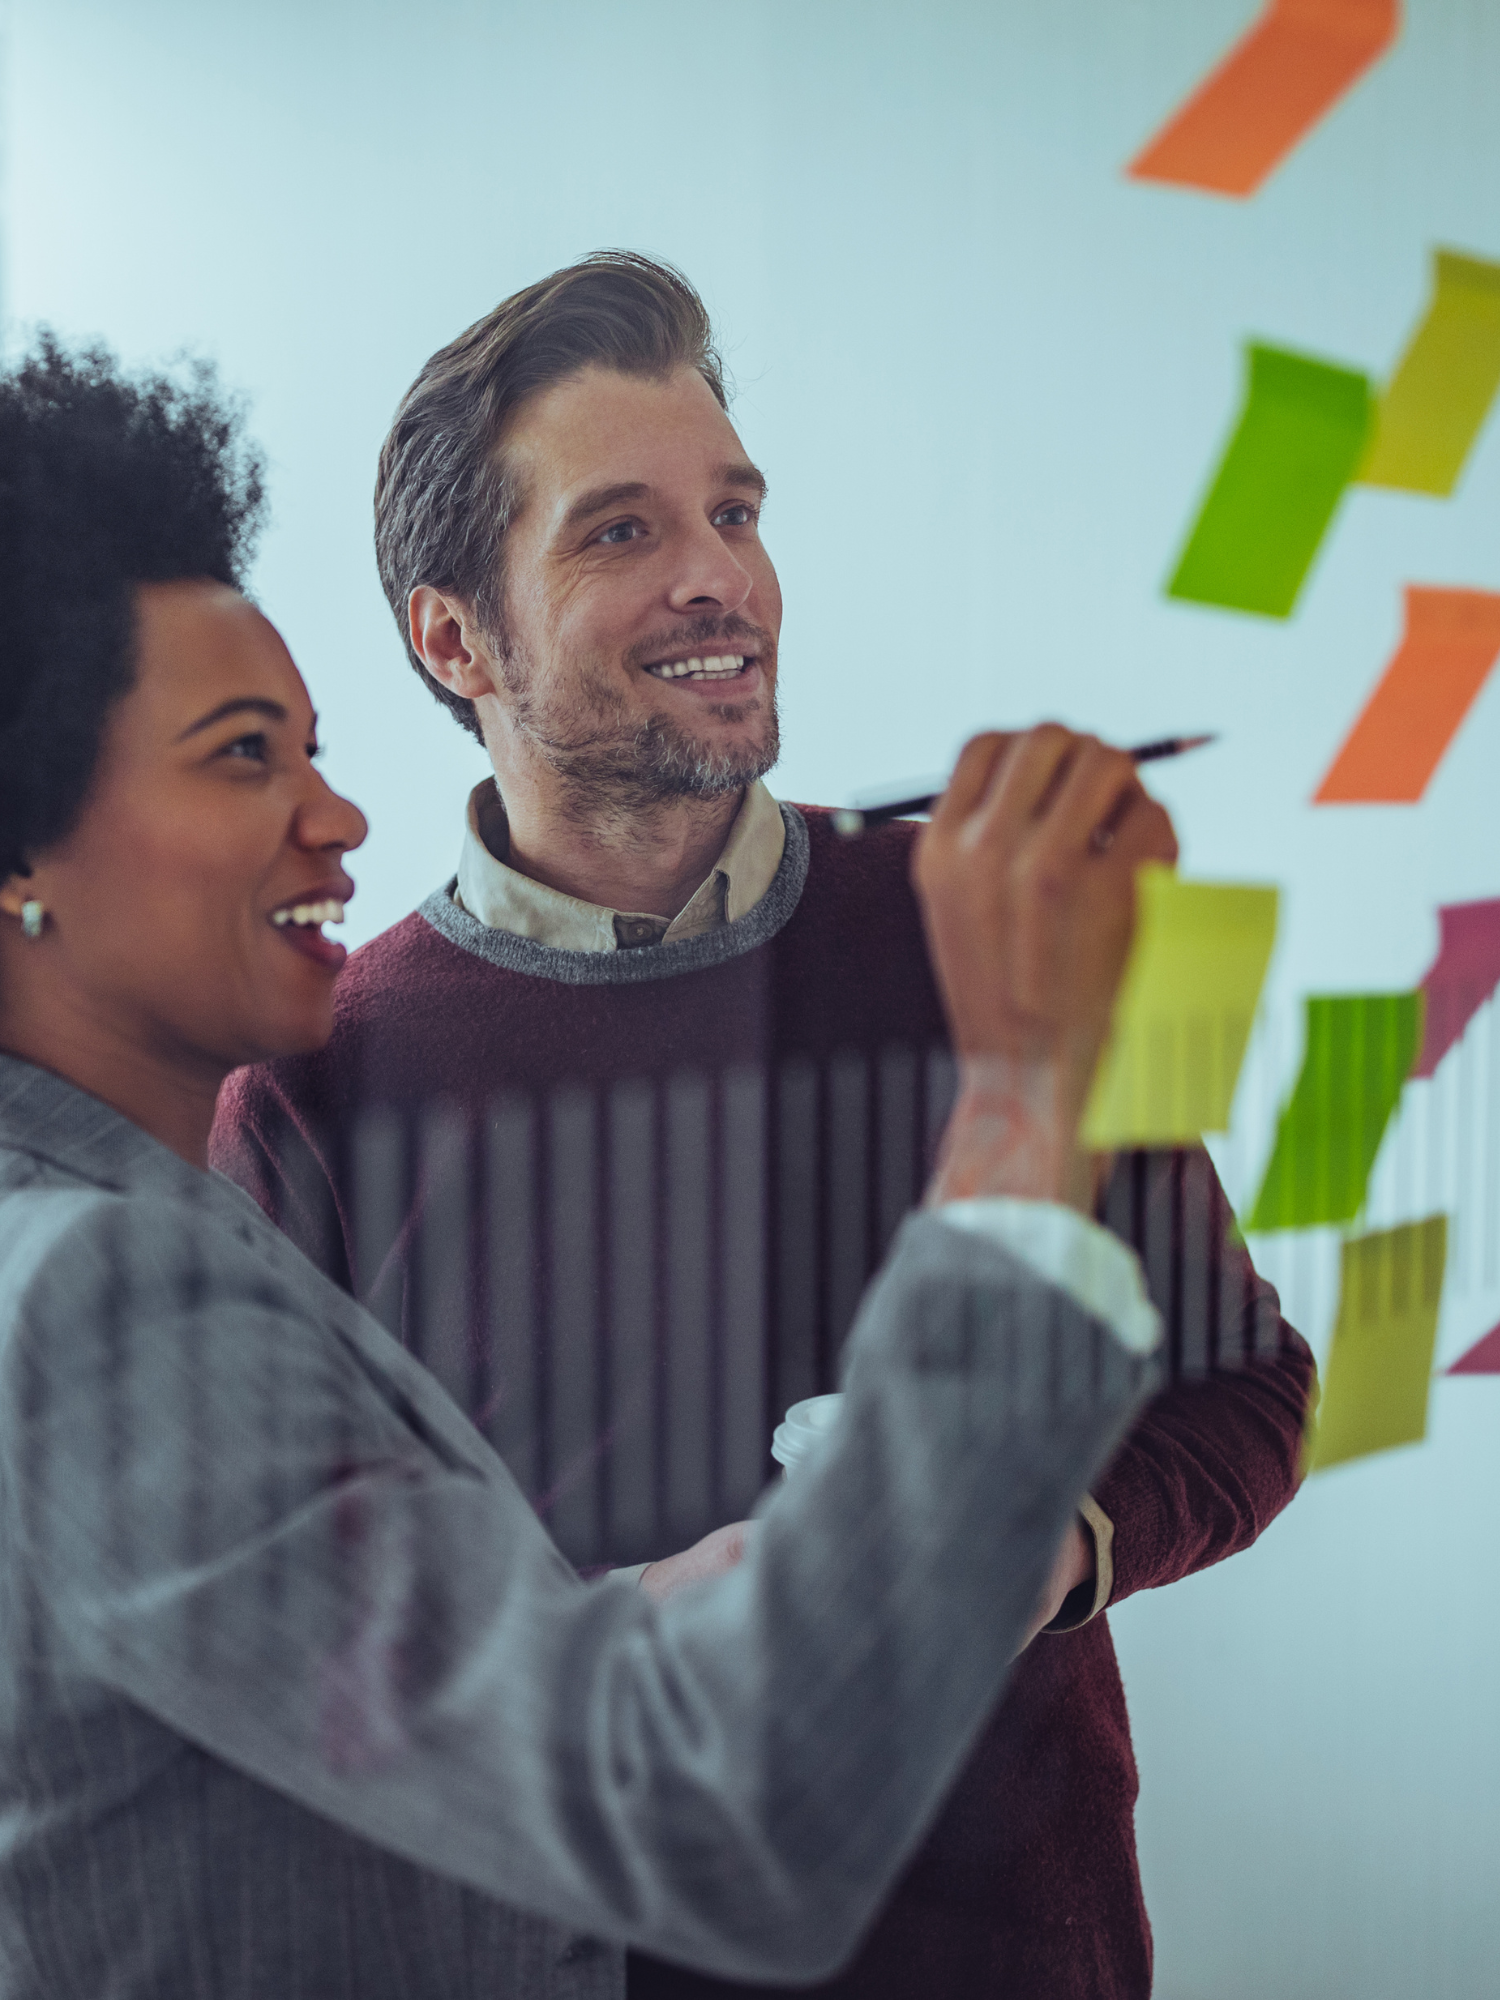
(505, 900)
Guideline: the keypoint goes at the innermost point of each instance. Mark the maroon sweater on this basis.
(623, 1205)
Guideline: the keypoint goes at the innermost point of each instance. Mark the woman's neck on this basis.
(169, 1094)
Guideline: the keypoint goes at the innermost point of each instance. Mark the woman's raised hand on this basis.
(1026, 876)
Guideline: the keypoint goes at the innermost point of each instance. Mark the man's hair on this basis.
(443, 495)
(107, 481)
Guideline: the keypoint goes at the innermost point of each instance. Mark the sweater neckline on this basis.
(632, 968)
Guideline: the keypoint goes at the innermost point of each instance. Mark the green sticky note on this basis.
(1360, 1049)
(1183, 1017)
(1299, 441)
(1443, 387)
(1380, 1364)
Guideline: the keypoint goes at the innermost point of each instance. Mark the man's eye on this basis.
(255, 747)
(620, 531)
(740, 515)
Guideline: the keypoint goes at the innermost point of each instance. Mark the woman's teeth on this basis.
(326, 912)
(719, 668)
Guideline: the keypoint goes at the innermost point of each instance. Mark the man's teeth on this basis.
(716, 668)
(326, 912)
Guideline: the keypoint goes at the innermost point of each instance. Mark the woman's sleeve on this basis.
(245, 1517)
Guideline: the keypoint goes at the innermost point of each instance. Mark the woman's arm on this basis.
(251, 1514)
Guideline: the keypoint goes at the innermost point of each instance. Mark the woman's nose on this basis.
(329, 820)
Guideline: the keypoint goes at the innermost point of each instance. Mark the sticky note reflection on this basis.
(1451, 641)
(1460, 979)
(1184, 1013)
(1269, 91)
(1441, 392)
(1300, 437)
(1360, 1049)
(1379, 1369)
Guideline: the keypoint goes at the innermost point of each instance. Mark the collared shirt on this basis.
(500, 896)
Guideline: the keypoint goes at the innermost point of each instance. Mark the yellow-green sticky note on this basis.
(1360, 1049)
(1441, 392)
(1380, 1365)
(1298, 443)
(1183, 1017)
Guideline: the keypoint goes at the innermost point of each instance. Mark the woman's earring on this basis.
(33, 916)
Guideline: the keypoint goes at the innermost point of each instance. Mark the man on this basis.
(707, 1030)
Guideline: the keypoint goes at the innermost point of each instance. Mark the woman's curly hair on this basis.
(107, 481)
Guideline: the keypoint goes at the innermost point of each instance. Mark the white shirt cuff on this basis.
(1095, 1269)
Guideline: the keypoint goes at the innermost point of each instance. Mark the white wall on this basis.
(988, 377)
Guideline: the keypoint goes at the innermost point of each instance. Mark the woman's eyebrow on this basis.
(256, 704)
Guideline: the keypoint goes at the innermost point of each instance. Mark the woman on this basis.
(296, 1697)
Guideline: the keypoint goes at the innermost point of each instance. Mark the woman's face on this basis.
(170, 904)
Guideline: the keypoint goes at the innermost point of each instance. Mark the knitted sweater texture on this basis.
(623, 1205)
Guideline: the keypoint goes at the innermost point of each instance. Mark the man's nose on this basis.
(708, 577)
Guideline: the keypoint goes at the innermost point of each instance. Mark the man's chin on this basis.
(676, 762)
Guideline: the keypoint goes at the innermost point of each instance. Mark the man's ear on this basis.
(445, 639)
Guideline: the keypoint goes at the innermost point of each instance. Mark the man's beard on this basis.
(613, 766)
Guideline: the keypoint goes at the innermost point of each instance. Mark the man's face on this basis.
(641, 611)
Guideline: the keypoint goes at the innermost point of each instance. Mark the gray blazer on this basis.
(298, 1700)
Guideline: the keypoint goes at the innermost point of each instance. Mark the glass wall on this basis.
(993, 378)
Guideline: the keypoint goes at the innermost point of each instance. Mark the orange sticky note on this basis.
(1269, 91)
(1450, 643)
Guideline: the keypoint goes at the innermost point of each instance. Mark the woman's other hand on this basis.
(717, 1553)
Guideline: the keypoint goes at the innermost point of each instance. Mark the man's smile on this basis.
(713, 667)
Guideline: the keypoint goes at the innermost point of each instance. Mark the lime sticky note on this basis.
(1299, 440)
(1441, 392)
(1360, 1049)
(1183, 1016)
(1380, 1365)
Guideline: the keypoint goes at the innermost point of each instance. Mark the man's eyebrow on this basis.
(256, 704)
(740, 472)
(599, 498)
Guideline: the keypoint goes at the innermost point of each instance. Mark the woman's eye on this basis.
(255, 747)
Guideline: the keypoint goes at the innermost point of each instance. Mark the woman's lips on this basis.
(310, 941)
(301, 924)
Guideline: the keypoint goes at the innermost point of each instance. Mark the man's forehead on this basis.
(600, 430)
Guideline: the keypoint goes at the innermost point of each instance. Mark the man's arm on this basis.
(263, 1139)
(1214, 1458)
